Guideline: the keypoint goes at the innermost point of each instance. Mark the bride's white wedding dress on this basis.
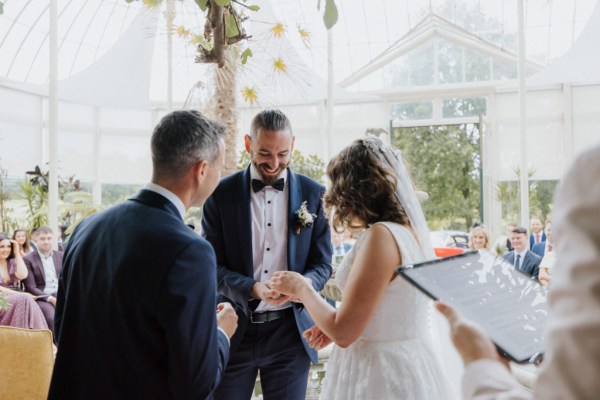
(397, 356)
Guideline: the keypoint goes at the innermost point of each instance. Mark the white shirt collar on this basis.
(172, 197)
(254, 174)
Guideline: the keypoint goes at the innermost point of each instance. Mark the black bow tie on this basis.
(259, 185)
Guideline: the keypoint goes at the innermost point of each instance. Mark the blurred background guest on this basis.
(537, 232)
(20, 235)
(479, 239)
(22, 310)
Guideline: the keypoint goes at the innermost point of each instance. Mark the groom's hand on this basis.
(469, 339)
(227, 319)
(261, 290)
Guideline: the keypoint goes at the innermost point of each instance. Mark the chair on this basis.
(26, 363)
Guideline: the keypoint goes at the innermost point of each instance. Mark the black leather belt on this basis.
(268, 316)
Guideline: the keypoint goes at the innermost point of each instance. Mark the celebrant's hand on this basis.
(290, 283)
(315, 338)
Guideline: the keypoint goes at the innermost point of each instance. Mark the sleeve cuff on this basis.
(226, 337)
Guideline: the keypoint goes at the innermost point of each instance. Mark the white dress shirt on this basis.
(49, 274)
(269, 210)
(172, 197)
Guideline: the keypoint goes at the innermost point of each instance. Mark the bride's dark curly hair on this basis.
(361, 187)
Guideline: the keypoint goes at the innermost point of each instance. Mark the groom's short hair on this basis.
(183, 138)
(270, 120)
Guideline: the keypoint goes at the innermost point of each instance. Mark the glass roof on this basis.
(366, 29)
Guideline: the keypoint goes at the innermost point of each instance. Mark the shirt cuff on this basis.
(226, 337)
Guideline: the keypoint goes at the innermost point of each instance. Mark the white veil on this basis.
(407, 196)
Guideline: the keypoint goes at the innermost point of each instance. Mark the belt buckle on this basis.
(253, 321)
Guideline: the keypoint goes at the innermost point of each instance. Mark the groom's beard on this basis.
(272, 177)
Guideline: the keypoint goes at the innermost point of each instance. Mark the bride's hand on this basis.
(315, 338)
(289, 283)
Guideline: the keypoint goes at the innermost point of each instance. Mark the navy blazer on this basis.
(35, 283)
(226, 223)
(532, 240)
(539, 248)
(136, 308)
(530, 264)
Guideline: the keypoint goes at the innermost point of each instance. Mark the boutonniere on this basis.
(304, 219)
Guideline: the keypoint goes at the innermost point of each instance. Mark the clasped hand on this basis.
(291, 284)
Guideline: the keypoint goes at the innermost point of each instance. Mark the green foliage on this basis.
(444, 161)
(1, 7)
(311, 166)
(4, 305)
(330, 16)
(36, 199)
(117, 193)
(231, 27)
(203, 4)
(540, 197)
(75, 207)
(6, 222)
(245, 54)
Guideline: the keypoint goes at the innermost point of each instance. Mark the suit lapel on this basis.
(40, 264)
(244, 220)
(295, 200)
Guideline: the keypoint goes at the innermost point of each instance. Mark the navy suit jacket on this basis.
(35, 283)
(532, 239)
(539, 248)
(136, 308)
(530, 264)
(226, 223)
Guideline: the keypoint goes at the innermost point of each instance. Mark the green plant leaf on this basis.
(331, 14)
(203, 4)
(254, 8)
(222, 2)
(245, 54)
(231, 28)
(128, 1)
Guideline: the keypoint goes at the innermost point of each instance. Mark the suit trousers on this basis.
(275, 349)
(48, 311)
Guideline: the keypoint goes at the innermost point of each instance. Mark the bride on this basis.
(385, 336)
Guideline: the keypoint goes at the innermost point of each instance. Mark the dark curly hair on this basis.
(12, 252)
(362, 187)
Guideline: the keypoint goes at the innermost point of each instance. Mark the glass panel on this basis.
(414, 110)
(454, 108)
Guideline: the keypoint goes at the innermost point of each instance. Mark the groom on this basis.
(253, 224)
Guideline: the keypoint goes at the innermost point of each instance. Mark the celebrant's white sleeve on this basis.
(489, 380)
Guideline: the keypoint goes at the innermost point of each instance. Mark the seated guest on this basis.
(521, 257)
(44, 266)
(479, 239)
(20, 235)
(546, 267)
(546, 246)
(571, 364)
(22, 312)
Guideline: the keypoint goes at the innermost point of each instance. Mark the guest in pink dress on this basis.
(23, 312)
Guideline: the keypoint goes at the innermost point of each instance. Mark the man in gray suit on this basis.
(571, 365)
(521, 257)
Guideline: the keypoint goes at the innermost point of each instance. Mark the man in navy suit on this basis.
(537, 232)
(521, 257)
(546, 246)
(137, 316)
(252, 221)
(44, 266)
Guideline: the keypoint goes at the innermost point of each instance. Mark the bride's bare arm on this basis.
(373, 268)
